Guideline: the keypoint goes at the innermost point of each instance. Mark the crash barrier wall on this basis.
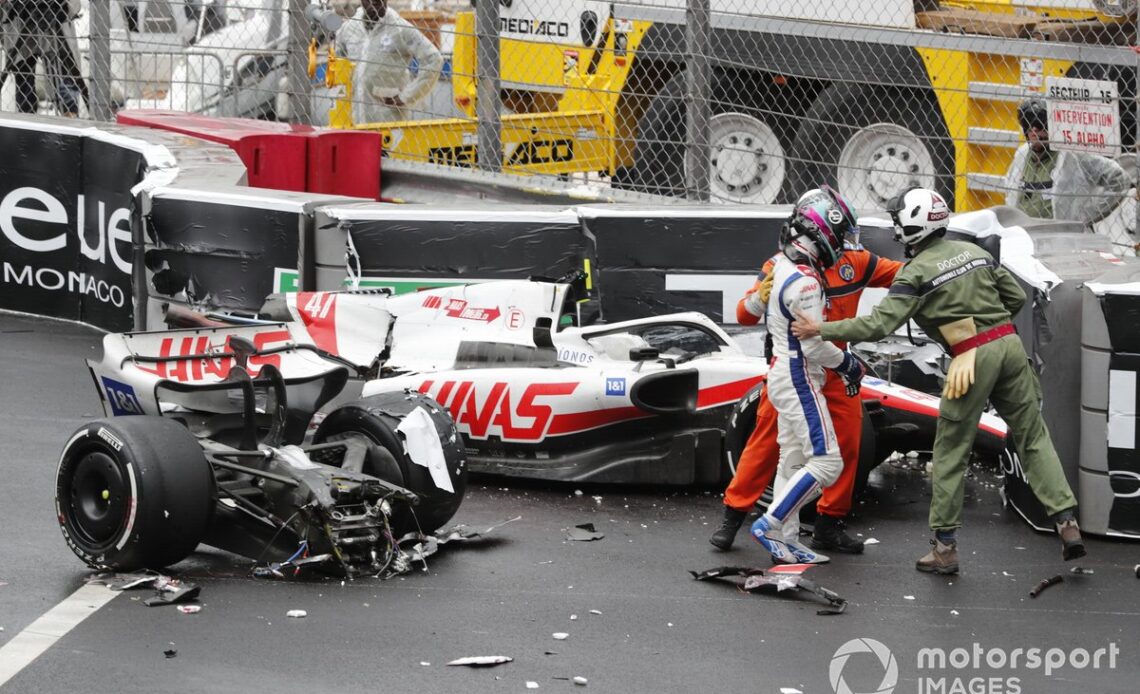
(394, 246)
(223, 249)
(1048, 329)
(95, 222)
(748, 101)
(1110, 360)
(67, 209)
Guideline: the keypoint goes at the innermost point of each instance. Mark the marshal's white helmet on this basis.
(918, 213)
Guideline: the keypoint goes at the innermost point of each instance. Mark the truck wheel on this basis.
(748, 142)
(873, 143)
(133, 493)
(376, 419)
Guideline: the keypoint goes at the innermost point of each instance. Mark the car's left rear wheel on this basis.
(133, 493)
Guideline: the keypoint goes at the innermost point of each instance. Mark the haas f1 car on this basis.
(343, 419)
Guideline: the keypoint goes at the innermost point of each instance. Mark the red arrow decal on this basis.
(457, 308)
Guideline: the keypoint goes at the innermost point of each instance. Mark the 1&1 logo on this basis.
(879, 650)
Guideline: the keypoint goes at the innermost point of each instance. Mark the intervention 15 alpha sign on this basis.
(1084, 115)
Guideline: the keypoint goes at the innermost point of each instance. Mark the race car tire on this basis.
(741, 422)
(133, 493)
(376, 418)
(868, 456)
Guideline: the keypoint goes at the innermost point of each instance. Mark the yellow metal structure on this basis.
(568, 113)
(580, 134)
(969, 115)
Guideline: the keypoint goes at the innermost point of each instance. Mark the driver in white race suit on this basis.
(809, 453)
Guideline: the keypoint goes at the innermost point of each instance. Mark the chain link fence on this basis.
(732, 101)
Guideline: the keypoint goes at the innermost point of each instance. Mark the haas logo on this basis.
(484, 410)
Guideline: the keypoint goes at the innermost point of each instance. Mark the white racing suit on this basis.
(809, 452)
(383, 53)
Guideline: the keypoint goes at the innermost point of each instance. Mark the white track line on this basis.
(42, 634)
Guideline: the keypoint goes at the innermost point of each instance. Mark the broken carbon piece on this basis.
(782, 577)
(585, 532)
(1045, 584)
(184, 592)
(482, 660)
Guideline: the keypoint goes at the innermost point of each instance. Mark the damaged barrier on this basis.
(224, 250)
(407, 247)
(66, 206)
(1109, 479)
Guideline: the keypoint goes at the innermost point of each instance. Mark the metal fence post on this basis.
(488, 100)
(698, 79)
(1136, 151)
(297, 62)
(99, 107)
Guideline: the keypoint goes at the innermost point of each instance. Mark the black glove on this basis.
(852, 371)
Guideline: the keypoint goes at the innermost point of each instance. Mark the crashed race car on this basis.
(344, 418)
(219, 452)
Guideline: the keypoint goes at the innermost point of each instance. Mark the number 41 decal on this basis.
(319, 304)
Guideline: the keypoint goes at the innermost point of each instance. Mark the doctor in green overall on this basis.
(960, 297)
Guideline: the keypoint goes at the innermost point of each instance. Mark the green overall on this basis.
(949, 281)
(1036, 197)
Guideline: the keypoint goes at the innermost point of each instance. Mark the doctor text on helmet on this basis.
(37, 222)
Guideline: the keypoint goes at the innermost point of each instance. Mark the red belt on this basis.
(982, 338)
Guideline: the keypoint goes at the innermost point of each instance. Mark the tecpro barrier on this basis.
(222, 249)
(66, 207)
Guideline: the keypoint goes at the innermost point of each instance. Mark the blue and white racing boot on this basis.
(770, 539)
(803, 555)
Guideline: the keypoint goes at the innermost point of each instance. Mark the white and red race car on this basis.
(661, 400)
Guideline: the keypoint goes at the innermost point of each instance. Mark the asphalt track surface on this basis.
(658, 631)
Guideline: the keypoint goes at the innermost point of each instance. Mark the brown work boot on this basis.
(943, 559)
(1072, 546)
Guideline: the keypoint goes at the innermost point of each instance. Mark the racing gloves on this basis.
(765, 288)
(960, 373)
(851, 370)
(756, 301)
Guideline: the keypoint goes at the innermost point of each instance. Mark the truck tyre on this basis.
(133, 493)
(376, 418)
(748, 142)
(872, 143)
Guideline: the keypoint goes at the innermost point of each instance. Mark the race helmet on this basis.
(918, 213)
(829, 195)
(807, 197)
(816, 231)
(1033, 113)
